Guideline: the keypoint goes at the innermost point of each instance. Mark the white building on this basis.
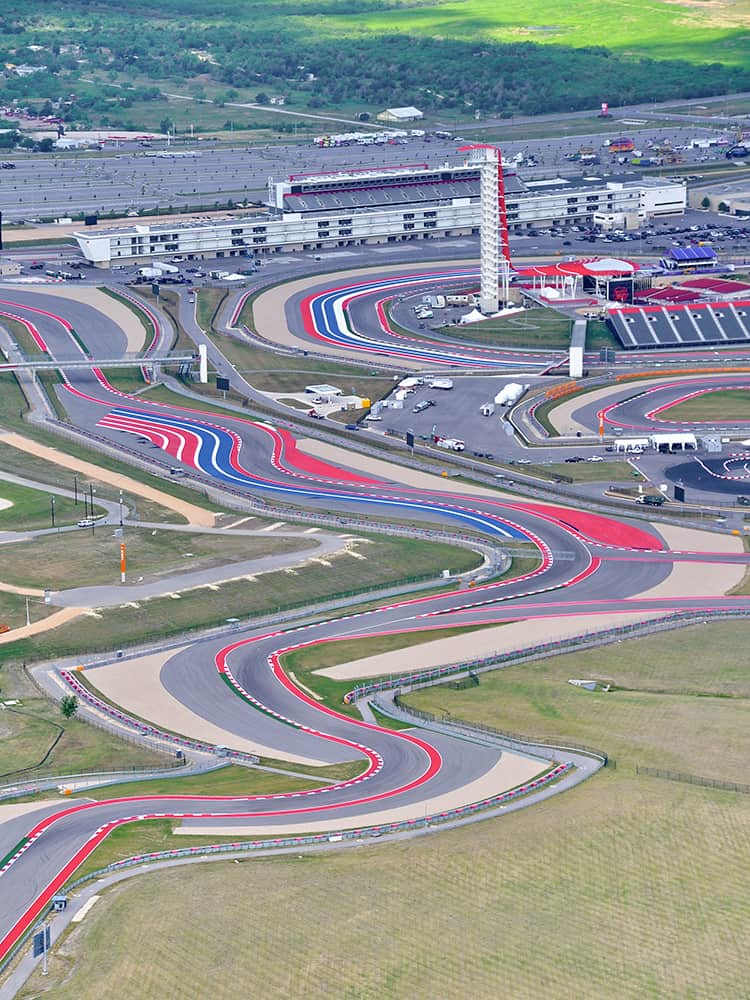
(310, 213)
(400, 115)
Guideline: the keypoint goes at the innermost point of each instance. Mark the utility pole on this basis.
(75, 490)
(52, 510)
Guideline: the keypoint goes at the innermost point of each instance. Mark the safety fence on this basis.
(113, 777)
(547, 742)
(495, 661)
(694, 779)
(146, 729)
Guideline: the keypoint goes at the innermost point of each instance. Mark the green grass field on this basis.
(26, 735)
(659, 28)
(721, 404)
(386, 562)
(534, 328)
(619, 889)
(33, 509)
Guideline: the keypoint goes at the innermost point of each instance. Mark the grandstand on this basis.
(717, 287)
(689, 258)
(383, 188)
(694, 325)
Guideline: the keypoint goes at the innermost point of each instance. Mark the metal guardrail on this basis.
(495, 661)
(546, 742)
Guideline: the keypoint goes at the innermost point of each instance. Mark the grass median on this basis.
(724, 405)
(28, 733)
(91, 557)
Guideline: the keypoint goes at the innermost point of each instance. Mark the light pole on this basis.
(28, 616)
(121, 510)
(52, 510)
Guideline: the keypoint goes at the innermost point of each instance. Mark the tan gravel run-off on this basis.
(195, 515)
(135, 685)
(269, 312)
(511, 770)
(95, 297)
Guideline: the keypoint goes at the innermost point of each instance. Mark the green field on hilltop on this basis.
(450, 59)
(660, 28)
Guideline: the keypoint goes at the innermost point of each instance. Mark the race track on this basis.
(611, 565)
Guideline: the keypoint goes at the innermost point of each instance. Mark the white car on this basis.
(596, 458)
(373, 418)
(87, 522)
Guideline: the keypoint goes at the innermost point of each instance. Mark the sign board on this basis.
(410, 439)
(155, 290)
(679, 493)
(222, 382)
(41, 942)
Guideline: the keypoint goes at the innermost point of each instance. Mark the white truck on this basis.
(451, 444)
(441, 383)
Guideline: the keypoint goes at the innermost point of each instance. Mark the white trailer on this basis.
(441, 383)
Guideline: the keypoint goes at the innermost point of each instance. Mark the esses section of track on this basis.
(243, 687)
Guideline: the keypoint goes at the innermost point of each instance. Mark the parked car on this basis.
(575, 458)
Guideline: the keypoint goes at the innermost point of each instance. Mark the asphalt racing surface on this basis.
(608, 562)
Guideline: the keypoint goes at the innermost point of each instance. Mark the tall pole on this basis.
(28, 616)
(75, 490)
(91, 504)
(120, 510)
(52, 510)
(122, 562)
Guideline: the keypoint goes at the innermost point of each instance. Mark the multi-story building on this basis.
(316, 212)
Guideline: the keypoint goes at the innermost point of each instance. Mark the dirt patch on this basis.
(195, 515)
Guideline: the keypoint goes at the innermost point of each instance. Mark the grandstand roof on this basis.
(692, 253)
(667, 295)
